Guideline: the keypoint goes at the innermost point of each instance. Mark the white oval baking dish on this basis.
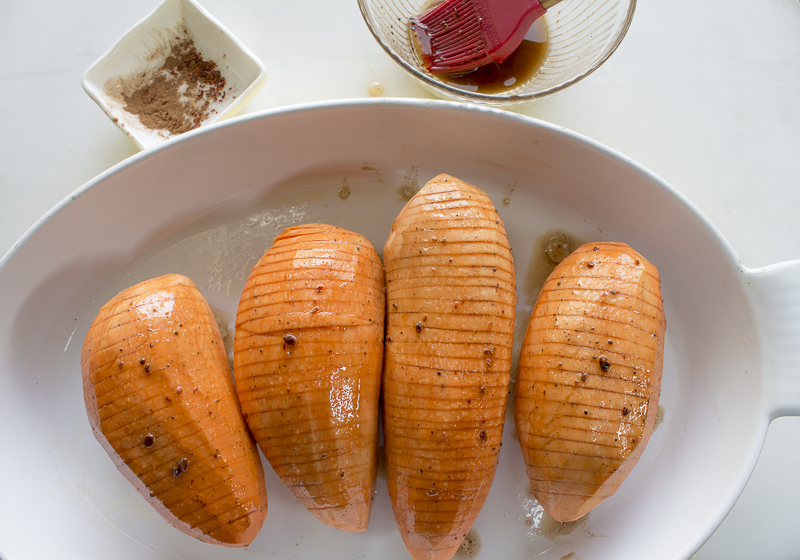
(208, 204)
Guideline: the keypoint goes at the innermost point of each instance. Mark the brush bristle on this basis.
(454, 34)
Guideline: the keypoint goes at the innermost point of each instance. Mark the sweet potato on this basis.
(307, 360)
(161, 401)
(451, 301)
(590, 377)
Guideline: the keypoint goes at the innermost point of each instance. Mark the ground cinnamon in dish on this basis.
(179, 96)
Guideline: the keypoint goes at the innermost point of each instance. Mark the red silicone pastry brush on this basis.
(458, 36)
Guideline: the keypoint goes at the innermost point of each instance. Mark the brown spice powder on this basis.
(179, 96)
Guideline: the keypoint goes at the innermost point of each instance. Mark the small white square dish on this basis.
(176, 70)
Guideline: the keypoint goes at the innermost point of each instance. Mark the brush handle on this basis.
(506, 22)
(547, 4)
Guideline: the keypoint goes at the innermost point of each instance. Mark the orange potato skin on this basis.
(161, 402)
(451, 301)
(308, 353)
(590, 377)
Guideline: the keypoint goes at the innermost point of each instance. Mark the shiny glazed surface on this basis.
(307, 360)
(450, 320)
(590, 376)
(161, 402)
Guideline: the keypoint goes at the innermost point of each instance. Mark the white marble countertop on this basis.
(702, 93)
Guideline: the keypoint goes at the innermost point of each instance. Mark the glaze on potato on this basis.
(161, 402)
(590, 377)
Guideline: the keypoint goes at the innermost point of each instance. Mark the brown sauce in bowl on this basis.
(500, 77)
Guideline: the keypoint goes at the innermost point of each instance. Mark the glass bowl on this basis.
(581, 35)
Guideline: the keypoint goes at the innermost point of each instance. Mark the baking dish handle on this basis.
(777, 294)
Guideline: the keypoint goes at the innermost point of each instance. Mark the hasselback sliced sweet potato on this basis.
(161, 401)
(590, 377)
(451, 301)
(308, 352)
